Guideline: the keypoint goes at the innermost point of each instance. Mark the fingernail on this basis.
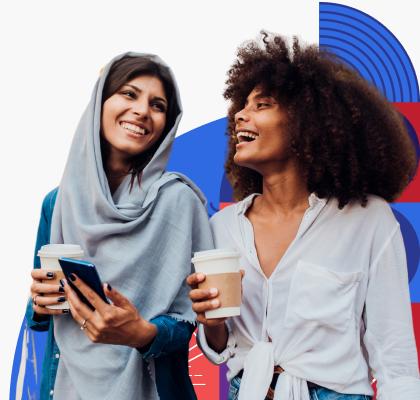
(109, 287)
(61, 289)
(213, 291)
(72, 277)
(61, 299)
(50, 274)
(200, 276)
(65, 311)
(62, 282)
(215, 302)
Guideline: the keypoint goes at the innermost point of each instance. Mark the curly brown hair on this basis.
(348, 140)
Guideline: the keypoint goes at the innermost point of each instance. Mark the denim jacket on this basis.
(169, 348)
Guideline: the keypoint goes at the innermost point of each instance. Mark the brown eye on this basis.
(262, 105)
(159, 106)
(129, 93)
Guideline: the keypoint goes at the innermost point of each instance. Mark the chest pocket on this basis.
(319, 296)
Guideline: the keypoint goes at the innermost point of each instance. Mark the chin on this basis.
(243, 161)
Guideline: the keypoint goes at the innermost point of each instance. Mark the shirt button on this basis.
(57, 355)
(51, 392)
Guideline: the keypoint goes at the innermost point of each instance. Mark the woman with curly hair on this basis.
(315, 154)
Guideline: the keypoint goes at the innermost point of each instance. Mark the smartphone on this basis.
(87, 272)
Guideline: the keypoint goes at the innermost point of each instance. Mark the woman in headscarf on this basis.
(139, 225)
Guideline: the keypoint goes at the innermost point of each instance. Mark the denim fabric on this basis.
(318, 393)
(169, 349)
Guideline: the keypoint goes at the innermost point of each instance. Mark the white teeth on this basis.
(246, 134)
(133, 128)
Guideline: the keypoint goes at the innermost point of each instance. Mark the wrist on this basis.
(215, 330)
(146, 332)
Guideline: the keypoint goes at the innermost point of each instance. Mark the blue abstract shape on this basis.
(200, 154)
(31, 346)
(408, 216)
(226, 191)
(368, 46)
(414, 138)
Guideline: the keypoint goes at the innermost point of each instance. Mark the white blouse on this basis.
(336, 310)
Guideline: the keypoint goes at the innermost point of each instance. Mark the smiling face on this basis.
(134, 117)
(260, 130)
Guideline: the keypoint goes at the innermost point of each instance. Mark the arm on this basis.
(35, 321)
(389, 337)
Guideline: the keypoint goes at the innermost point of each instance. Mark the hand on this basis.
(38, 289)
(205, 299)
(117, 323)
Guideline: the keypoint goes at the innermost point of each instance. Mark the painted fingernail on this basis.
(109, 287)
(213, 291)
(62, 282)
(215, 302)
(61, 289)
(61, 299)
(50, 274)
(65, 311)
(72, 277)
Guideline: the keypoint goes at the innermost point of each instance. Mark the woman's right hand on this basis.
(204, 300)
(39, 289)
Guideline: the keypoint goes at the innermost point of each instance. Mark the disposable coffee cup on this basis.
(49, 255)
(221, 267)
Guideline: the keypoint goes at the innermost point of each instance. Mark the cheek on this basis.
(159, 124)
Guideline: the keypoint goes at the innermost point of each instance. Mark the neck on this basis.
(116, 166)
(116, 169)
(284, 190)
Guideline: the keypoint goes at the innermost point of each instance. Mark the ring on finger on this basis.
(83, 325)
(34, 299)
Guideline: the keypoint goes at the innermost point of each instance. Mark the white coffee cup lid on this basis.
(213, 254)
(60, 250)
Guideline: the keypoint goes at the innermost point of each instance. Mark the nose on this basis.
(241, 116)
(141, 108)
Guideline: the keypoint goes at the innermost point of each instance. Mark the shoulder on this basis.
(376, 209)
(177, 190)
(377, 216)
(178, 198)
(226, 217)
(49, 201)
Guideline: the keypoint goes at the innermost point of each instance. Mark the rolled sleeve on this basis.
(213, 356)
(172, 335)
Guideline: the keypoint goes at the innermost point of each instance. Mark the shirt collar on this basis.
(313, 199)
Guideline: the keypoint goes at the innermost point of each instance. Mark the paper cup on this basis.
(49, 255)
(221, 267)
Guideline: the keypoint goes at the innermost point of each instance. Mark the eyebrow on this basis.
(258, 97)
(139, 91)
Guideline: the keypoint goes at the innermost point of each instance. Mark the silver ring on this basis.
(83, 325)
(34, 299)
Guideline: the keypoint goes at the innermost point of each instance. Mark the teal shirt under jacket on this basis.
(169, 348)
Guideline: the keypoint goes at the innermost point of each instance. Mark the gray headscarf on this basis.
(141, 242)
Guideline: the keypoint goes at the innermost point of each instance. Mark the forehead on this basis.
(257, 93)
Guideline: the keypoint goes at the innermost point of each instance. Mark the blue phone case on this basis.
(87, 272)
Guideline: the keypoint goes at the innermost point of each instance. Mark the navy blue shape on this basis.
(414, 138)
(408, 216)
(381, 59)
(226, 191)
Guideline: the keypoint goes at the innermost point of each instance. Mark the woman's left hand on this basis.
(117, 323)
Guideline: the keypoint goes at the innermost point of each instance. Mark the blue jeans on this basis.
(317, 393)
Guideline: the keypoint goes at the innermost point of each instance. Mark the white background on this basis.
(51, 53)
